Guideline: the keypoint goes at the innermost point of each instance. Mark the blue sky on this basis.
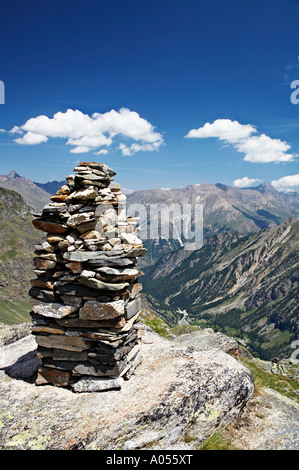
(131, 79)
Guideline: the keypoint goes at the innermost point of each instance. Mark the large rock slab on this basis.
(49, 227)
(177, 391)
(93, 310)
(207, 339)
(53, 310)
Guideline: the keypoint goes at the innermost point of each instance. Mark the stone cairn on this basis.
(85, 298)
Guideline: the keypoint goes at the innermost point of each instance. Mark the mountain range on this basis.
(51, 187)
(33, 195)
(245, 210)
(246, 286)
(226, 208)
(243, 281)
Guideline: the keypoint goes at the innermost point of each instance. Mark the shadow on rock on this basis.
(25, 368)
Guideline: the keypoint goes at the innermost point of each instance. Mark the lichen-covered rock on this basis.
(12, 333)
(177, 391)
(207, 339)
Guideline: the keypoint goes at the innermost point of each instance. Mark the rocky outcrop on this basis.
(179, 394)
(11, 334)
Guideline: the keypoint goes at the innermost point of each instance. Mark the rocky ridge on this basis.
(225, 208)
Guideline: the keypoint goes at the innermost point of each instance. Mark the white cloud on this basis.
(31, 138)
(80, 149)
(102, 152)
(15, 130)
(263, 149)
(224, 129)
(86, 133)
(283, 184)
(257, 148)
(246, 182)
(129, 151)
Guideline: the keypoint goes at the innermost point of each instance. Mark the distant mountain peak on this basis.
(265, 188)
(13, 174)
(222, 186)
(33, 196)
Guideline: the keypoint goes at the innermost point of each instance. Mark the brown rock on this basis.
(132, 291)
(63, 245)
(54, 377)
(59, 197)
(49, 227)
(65, 189)
(41, 263)
(54, 238)
(50, 256)
(42, 284)
(48, 247)
(48, 329)
(91, 234)
(75, 267)
(86, 226)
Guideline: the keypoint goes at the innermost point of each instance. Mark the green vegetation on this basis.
(169, 315)
(287, 386)
(13, 312)
(155, 323)
(233, 323)
(217, 441)
(17, 239)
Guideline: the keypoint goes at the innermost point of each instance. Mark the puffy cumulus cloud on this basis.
(224, 129)
(263, 149)
(246, 182)
(284, 183)
(85, 133)
(257, 148)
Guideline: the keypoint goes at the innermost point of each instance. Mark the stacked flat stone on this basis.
(85, 298)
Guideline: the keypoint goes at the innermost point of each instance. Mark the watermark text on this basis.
(295, 94)
(2, 92)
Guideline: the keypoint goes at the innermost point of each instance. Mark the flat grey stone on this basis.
(88, 384)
